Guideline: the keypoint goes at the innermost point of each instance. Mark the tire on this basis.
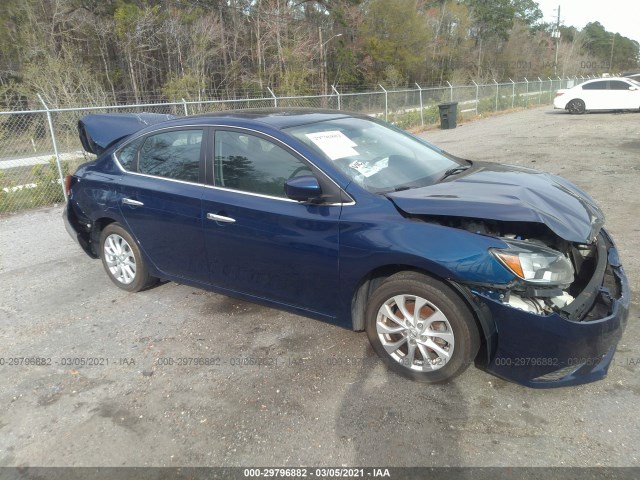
(122, 260)
(576, 107)
(437, 346)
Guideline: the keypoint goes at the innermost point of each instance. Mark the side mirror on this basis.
(303, 189)
(632, 88)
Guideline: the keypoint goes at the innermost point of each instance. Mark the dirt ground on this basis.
(314, 395)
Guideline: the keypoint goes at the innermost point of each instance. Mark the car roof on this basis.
(99, 131)
(275, 117)
(603, 79)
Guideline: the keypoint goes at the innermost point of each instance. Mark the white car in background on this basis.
(615, 93)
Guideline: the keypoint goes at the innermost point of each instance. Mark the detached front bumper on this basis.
(543, 351)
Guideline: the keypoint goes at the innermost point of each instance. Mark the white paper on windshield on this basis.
(368, 170)
(334, 144)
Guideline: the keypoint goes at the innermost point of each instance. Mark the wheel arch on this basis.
(97, 227)
(480, 312)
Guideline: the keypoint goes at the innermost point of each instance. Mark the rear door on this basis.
(258, 241)
(161, 199)
(596, 95)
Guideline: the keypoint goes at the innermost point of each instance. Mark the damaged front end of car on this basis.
(559, 319)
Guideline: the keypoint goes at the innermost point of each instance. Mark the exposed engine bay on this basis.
(558, 286)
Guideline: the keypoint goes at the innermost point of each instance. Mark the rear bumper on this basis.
(76, 230)
(543, 351)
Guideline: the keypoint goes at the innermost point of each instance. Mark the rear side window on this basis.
(595, 86)
(173, 155)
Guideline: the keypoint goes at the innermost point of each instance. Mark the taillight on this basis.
(559, 93)
(67, 184)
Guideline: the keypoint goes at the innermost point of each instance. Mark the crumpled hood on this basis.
(512, 194)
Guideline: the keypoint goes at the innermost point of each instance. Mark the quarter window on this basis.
(173, 154)
(128, 154)
(252, 164)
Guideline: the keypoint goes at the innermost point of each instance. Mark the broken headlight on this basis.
(535, 263)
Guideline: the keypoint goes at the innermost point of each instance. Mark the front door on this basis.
(261, 243)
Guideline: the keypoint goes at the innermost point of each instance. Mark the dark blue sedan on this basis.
(346, 219)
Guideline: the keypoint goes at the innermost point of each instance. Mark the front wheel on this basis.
(122, 260)
(421, 328)
(576, 107)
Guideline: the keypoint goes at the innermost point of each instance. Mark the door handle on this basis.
(135, 203)
(220, 218)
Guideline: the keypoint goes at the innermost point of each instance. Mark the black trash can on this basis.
(448, 115)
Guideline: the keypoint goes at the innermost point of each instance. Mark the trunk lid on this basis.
(99, 131)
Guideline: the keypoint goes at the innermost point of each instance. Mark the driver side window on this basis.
(252, 164)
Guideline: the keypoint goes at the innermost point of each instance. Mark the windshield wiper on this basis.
(455, 171)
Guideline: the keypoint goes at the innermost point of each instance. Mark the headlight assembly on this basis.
(536, 264)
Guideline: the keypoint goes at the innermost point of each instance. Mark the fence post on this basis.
(55, 147)
(338, 94)
(275, 99)
(497, 93)
(540, 91)
(184, 104)
(386, 103)
(451, 90)
(550, 89)
(513, 92)
(477, 92)
(421, 107)
(526, 100)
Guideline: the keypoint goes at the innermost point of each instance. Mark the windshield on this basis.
(377, 157)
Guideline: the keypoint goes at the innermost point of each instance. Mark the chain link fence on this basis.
(39, 147)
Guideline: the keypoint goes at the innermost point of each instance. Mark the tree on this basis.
(609, 49)
(137, 31)
(95, 51)
(492, 18)
(529, 13)
(394, 35)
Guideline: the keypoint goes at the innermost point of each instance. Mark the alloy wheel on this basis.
(415, 333)
(120, 259)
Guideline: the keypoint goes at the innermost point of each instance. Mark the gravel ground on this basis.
(322, 398)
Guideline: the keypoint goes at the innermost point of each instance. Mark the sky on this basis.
(618, 16)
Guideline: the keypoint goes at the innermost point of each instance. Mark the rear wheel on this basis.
(122, 260)
(576, 107)
(421, 328)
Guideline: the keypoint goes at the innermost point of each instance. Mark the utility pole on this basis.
(323, 63)
(613, 41)
(556, 34)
